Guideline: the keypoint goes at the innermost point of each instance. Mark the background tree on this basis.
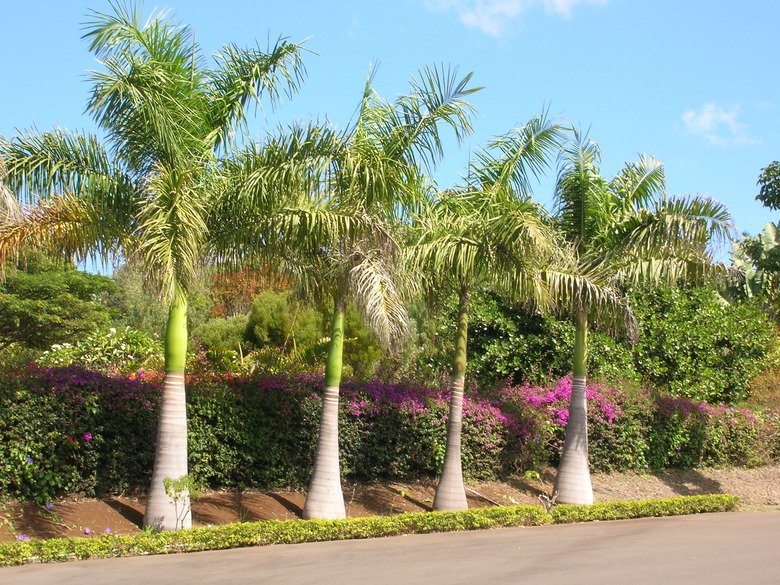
(166, 118)
(769, 183)
(44, 303)
(758, 257)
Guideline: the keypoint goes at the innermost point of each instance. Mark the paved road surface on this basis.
(717, 549)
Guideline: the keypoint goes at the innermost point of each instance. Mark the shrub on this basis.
(122, 351)
(616, 424)
(292, 532)
(224, 333)
(262, 432)
(510, 343)
(694, 345)
(72, 430)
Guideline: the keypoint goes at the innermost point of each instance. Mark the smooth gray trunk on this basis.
(325, 498)
(573, 481)
(163, 512)
(451, 493)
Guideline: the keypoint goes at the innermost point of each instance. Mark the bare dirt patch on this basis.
(758, 488)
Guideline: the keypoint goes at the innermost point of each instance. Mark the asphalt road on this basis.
(717, 549)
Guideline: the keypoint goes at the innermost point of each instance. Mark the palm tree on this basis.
(489, 232)
(624, 231)
(166, 117)
(337, 198)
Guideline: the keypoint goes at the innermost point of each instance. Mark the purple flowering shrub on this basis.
(86, 432)
(73, 430)
(262, 432)
(401, 431)
(633, 429)
(687, 434)
(615, 424)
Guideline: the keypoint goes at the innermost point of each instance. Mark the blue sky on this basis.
(694, 83)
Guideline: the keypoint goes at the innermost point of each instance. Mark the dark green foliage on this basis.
(67, 430)
(292, 532)
(259, 433)
(42, 303)
(278, 321)
(622, 444)
(224, 333)
(508, 343)
(769, 183)
(692, 344)
(263, 432)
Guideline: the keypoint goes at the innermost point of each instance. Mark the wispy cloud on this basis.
(717, 125)
(494, 16)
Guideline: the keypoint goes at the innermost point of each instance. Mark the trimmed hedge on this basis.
(292, 531)
(69, 430)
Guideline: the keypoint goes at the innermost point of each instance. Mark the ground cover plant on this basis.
(287, 532)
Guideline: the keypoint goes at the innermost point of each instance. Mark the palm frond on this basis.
(158, 39)
(522, 153)
(65, 225)
(577, 289)
(172, 228)
(639, 183)
(372, 286)
(245, 75)
(579, 188)
(59, 162)
(437, 98)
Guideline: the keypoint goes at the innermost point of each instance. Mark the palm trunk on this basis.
(325, 498)
(451, 493)
(164, 512)
(573, 480)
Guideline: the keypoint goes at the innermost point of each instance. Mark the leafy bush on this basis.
(122, 351)
(278, 321)
(508, 343)
(633, 430)
(224, 333)
(44, 302)
(68, 430)
(263, 432)
(694, 345)
(568, 513)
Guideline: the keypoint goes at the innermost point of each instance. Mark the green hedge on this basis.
(67, 430)
(289, 532)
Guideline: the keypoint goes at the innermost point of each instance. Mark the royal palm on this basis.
(623, 232)
(486, 233)
(339, 196)
(146, 193)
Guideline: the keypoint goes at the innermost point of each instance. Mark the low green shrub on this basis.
(121, 351)
(568, 513)
(291, 532)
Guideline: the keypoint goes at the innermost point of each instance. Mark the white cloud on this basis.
(494, 16)
(717, 125)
